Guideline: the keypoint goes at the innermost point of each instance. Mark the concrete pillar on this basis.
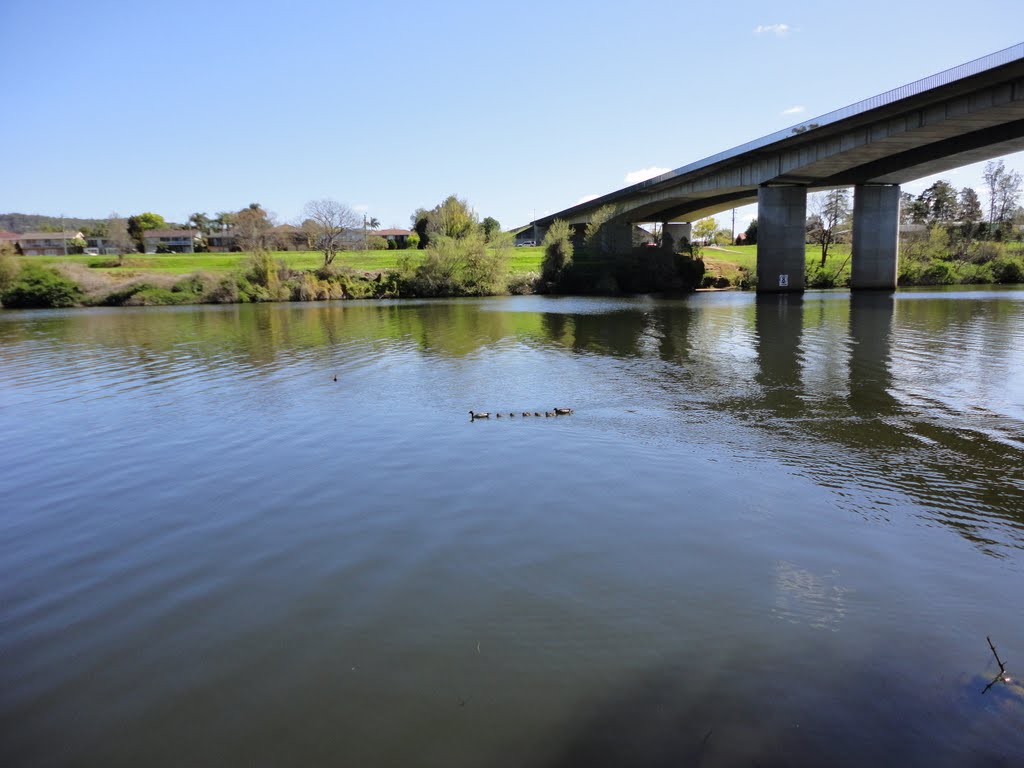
(678, 231)
(617, 237)
(876, 237)
(538, 233)
(781, 216)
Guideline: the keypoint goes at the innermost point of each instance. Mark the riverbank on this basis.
(201, 278)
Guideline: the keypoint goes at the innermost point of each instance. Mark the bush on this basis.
(8, 270)
(1008, 270)
(524, 284)
(39, 287)
(558, 251)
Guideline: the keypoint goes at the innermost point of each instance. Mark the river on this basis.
(773, 532)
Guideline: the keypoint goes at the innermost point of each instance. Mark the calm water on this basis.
(773, 533)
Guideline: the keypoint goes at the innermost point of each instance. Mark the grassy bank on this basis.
(521, 261)
(928, 261)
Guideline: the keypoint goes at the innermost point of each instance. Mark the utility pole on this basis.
(63, 235)
(365, 243)
(733, 226)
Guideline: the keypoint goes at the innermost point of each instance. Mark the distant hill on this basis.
(30, 222)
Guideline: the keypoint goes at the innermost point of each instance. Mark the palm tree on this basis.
(373, 223)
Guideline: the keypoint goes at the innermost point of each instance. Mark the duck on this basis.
(563, 411)
(479, 415)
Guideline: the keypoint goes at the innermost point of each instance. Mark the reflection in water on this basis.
(738, 550)
(804, 597)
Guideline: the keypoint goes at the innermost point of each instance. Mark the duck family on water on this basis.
(474, 415)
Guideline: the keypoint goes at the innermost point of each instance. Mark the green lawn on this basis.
(729, 257)
(521, 260)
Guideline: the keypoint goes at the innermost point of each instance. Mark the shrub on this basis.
(8, 270)
(523, 284)
(558, 251)
(39, 287)
(1008, 270)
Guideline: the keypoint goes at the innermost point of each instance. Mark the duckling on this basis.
(536, 413)
(335, 378)
(479, 415)
(511, 415)
(527, 413)
(549, 413)
(563, 411)
(497, 415)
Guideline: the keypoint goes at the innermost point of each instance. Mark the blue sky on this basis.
(522, 108)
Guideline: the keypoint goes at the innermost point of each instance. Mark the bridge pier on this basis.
(678, 231)
(876, 231)
(781, 217)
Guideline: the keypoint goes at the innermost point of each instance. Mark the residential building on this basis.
(169, 241)
(46, 243)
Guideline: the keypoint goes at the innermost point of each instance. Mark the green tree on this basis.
(751, 233)
(1004, 190)
(419, 219)
(969, 206)
(595, 236)
(704, 230)
(941, 201)
(491, 227)
(200, 222)
(144, 222)
(452, 218)
(558, 251)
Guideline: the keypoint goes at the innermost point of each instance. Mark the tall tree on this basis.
(491, 227)
(118, 236)
(419, 219)
(200, 222)
(141, 223)
(830, 211)
(452, 218)
(326, 223)
(558, 251)
(1004, 189)
(969, 206)
(252, 229)
(941, 200)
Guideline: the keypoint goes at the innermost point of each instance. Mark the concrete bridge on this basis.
(966, 114)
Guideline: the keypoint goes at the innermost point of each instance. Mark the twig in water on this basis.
(1001, 677)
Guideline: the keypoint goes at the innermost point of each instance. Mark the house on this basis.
(400, 237)
(169, 241)
(221, 242)
(47, 243)
(101, 246)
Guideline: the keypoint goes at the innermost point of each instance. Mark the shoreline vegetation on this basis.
(227, 278)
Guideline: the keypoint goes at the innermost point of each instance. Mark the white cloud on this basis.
(779, 30)
(794, 110)
(635, 177)
(586, 199)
